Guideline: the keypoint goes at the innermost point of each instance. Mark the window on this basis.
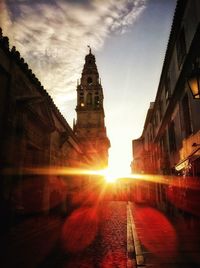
(161, 146)
(160, 108)
(167, 88)
(172, 137)
(3, 92)
(181, 47)
(155, 120)
(186, 116)
(89, 81)
(89, 99)
(81, 100)
(97, 101)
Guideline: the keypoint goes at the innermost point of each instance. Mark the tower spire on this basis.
(90, 51)
(90, 124)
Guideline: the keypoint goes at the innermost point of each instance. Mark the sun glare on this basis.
(109, 175)
(110, 179)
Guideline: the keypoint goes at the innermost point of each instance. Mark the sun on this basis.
(110, 177)
(112, 174)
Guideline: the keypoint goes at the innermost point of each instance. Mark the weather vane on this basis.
(89, 49)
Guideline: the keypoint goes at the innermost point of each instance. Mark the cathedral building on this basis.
(90, 125)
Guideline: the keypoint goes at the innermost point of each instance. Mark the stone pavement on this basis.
(109, 234)
(165, 242)
(91, 236)
(29, 242)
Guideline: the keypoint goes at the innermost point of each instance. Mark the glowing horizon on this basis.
(109, 174)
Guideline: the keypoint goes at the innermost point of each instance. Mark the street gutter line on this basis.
(131, 262)
(138, 249)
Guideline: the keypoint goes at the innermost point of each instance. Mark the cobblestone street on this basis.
(99, 134)
(89, 237)
(105, 238)
(111, 234)
(166, 242)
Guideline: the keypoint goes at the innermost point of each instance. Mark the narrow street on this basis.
(109, 234)
(89, 237)
(99, 134)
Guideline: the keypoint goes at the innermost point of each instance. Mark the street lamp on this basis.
(194, 80)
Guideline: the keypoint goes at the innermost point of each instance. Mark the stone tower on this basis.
(90, 126)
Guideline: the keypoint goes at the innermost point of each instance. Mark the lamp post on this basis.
(194, 80)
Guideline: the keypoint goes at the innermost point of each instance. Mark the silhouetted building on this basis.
(33, 134)
(90, 126)
(142, 162)
(171, 134)
(138, 153)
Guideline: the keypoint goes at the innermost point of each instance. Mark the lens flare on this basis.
(109, 175)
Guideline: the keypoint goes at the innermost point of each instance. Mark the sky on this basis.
(128, 38)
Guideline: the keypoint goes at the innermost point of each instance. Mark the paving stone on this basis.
(166, 242)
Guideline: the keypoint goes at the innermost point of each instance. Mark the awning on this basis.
(191, 158)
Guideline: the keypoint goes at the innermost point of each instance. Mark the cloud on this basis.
(4, 16)
(52, 35)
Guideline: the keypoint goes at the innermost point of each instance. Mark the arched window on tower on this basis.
(89, 80)
(97, 101)
(89, 99)
(81, 100)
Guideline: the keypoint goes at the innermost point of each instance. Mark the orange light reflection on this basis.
(158, 234)
(80, 229)
(178, 189)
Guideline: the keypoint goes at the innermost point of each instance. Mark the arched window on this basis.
(89, 80)
(81, 100)
(97, 101)
(89, 99)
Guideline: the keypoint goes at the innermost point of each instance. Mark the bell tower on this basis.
(90, 126)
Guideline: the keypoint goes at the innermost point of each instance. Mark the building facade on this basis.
(171, 134)
(33, 135)
(90, 125)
